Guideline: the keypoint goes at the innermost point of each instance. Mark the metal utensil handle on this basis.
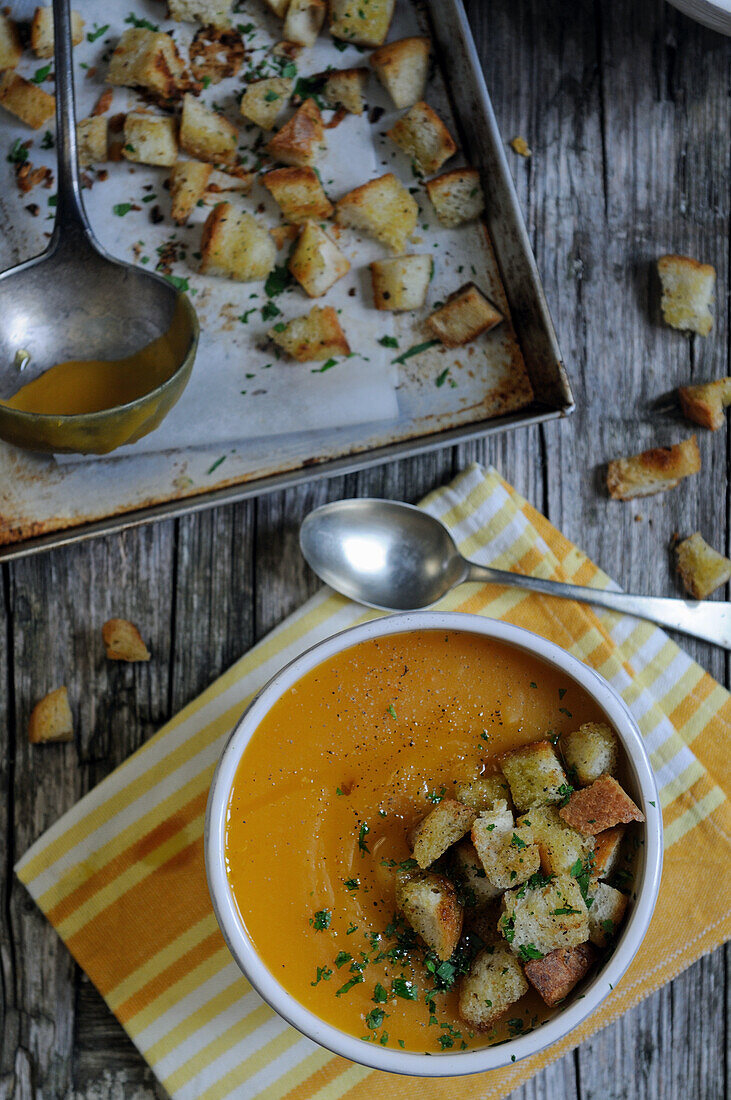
(70, 211)
(706, 619)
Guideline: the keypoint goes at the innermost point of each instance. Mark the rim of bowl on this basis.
(647, 879)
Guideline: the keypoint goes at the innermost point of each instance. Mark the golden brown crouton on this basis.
(520, 146)
(205, 134)
(317, 335)
(705, 403)
(264, 100)
(509, 858)
(216, 54)
(607, 846)
(51, 719)
(462, 318)
(495, 982)
(702, 569)
(284, 234)
(401, 283)
(600, 806)
(429, 903)
(606, 914)
(316, 261)
(590, 751)
(11, 49)
(444, 826)
(483, 792)
(298, 193)
(423, 136)
(150, 60)
(653, 471)
(556, 974)
(457, 196)
(213, 13)
(235, 246)
(188, 182)
(301, 140)
(41, 31)
(25, 100)
(687, 291)
(489, 825)
(123, 641)
(361, 22)
(303, 21)
(560, 846)
(278, 7)
(383, 208)
(535, 775)
(545, 918)
(237, 179)
(91, 140)
(346, 88)
(402, 69)
(150, 139)
(469, 871)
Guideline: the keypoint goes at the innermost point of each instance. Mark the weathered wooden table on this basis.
(626, 106)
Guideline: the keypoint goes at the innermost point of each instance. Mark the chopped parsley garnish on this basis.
(177, 281)
(517, 842)
(289, 69)
(392, 710)
(582, 872)
(324, 974)
(565, 911)
(351, 883)
(362, 834)
(436, 797)
(338, 791)
(18, 153)
(355, 980)
(528, 951)
(607, 926)
(485, 735)
(563, 710)
(47, 141)
(97, 32)
(327, 365)
(342, 958)
(351, 929)
(216, 464)
(40, 74)
(375, 1018)
(515, 1025)
(507, 927)
(278, 280)
(562, 692)
(380, 996)
(415, 350)
(388, 342)
(405, 864)
(141, 23)
(321, 920)
(534, 685)
(406, 989)
(565, 791)
(269, 310)
(441, 378)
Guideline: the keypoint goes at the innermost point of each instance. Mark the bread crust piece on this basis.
(150, 60)
(484, 791)
(457, 196)
(315, 336)
(534, 774)
(401, 283)
(361, 22)
(51, 718)
(429, 903)
(468, 868)
(440, 829)
(510, 858)
(11, 49)
(383, 208)
(298, 193)
(41, 31)
(687, 291)
(545, 918)
(346, 88)
(465, 314)
(213, 13)
(590, 751)
(601, 806)
(705, 403)
(558, 843)
(264, 100)
(556, 974)
(316, 261)
(301, 139)
(495, 982)
(26, 100)
(91, 140)
(150, 139)
(205, 134)
(402, 68)
(123, 641)
(423, 136)
(303, 21)
(653, 471)
(607, 846)
(235, 245)
(702, 569)
(606, 913)
(188, 182)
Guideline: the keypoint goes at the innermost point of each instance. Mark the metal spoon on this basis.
(74, 301)
(398, 558)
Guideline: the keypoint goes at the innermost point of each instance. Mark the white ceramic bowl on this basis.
(647, 875)
(712, 13)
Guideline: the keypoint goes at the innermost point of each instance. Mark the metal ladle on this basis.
(74, 301)
(398, 558)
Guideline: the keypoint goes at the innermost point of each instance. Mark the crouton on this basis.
(608, 907)
(25, 100)
(284, 234)
(303, 21)
(559, 845)
(346, 88)
(316, 261)
(556, 974)
(545, 918)
(299, 194)
(205, 134)
(607, 846)
(51, 719)
(423, 136)
(535, 775)
(600, 806)
(477, 889)
(301, 140)
(495, 982)
(510, 858)
(444, 826)
(361, 22)
(315, 336)
(216, 54)
(41, 31)
(520, 146)
(235, 246)
(687, 292)
(188, 182)
(489, 826)
(702, 569)
(590, 751)
(91, 140)
(462, 318)
(150, 139)
(653, 471)
(264, 100)
(383, 208)
(123, 641)
(278, 7)
(705, 403)
(11, 49)
(238, 179)
(401, 283)
(457, 196)
(482, 793)
(429, 903)
(402, 69)
(149, 60)
(210, 13)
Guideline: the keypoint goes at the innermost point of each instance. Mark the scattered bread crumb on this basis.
(123, 641)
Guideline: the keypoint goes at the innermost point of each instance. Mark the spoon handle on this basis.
(70, 212)
(706, 619)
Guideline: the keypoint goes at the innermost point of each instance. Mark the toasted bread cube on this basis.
(25, 100)
(303, 21)
(91, 140)
(653, 471)
(556, 974)
(238, 179)
(687, 292)
(468, 868)
(545, 918)
(402, 69)
(600, 806)
(150, 60)
(482, 793)
(457, 196)
(315, 336)
(51, 719)
(205, 134)
(535, 775)
(346, 88)
(209, 13)
(278, 7)
(423, 136)
(559, 845)
(264, 100)
(301, 140)
(383, 208)
(705, 403)
(444, 826)
(702, 569)
(606, 913)
(489, 827)
(607, 846)
(401, 283)
(361, 22)
(188, 182)
(316, 261)
(11, 49)
(462, 318)
(495, 982)
(150, 139)
(235, 246)
(41, 31)
(298, 193)
(123, 641)
(511, 858)
(590, 751)
(429, 903)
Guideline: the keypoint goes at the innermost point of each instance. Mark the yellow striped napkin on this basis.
(121, 875)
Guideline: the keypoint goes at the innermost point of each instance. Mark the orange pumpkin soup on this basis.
(342, 767)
